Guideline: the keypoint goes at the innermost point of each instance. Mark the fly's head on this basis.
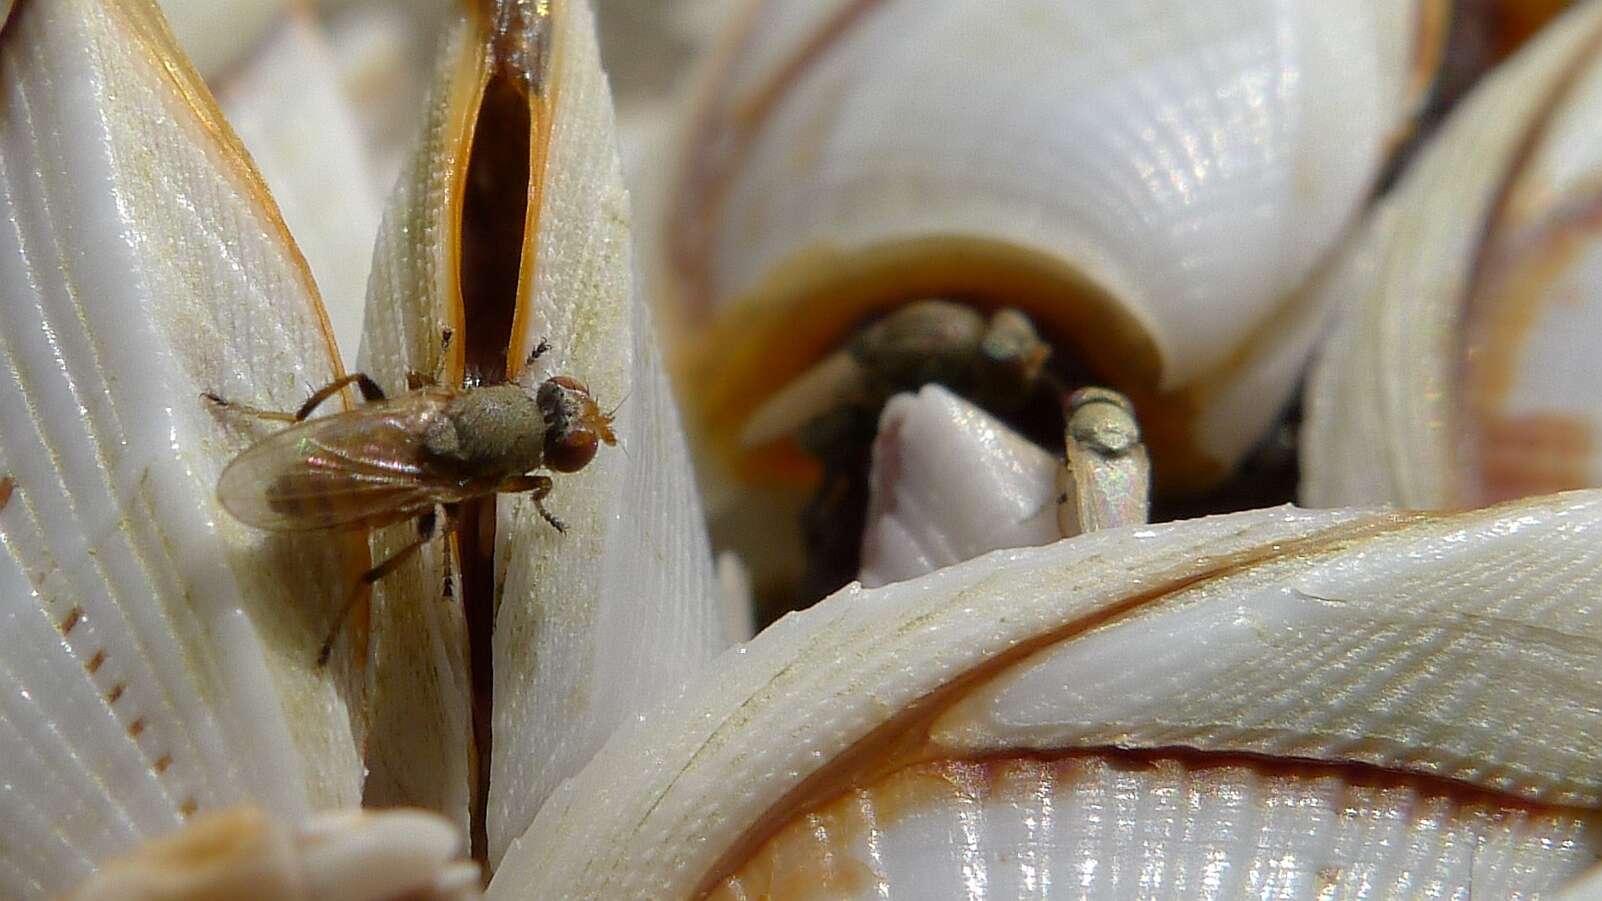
(575, 427)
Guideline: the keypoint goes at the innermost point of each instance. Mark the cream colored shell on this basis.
(591, 625)
(156, 654)
(160, 657)
(1363, 645)
(1152, 181)
(1465, 369)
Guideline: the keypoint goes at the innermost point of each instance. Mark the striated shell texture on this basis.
(1163, 826)
(155, 652)
(1384, 643)
(1465, 369)
(1152, 182)
(1282, 703)
(591, 625)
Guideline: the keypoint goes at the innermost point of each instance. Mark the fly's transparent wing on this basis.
(363, 467)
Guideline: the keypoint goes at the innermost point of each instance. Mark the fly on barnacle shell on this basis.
(412, 456)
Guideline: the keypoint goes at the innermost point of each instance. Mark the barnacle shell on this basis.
(1152, 182)
(1466, 366)
(215, 34)
(1354, 693)
(308, 144)
(155, 652)
(950, 482)
(592, 625)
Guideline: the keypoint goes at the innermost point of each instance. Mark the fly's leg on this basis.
(537, 487)
(246, 410)
(427, 528)
(452, 515)
(539, 350)
(371, 393)
(416, 379)
(369, 388)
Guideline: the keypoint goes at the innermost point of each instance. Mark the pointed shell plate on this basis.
(592, 625)
(157, 653)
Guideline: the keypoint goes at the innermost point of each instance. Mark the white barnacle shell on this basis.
(590, 626)
(1465, 369)
(156, 653)
(305, 135)
(1152, 182)
(1278, 703)
(951, 482)
(161, 657)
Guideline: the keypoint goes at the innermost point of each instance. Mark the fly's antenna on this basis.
(612, 413)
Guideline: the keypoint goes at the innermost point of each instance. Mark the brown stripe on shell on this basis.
(1495, 256)
(903, 740)
(1535, 454)
(724, 134)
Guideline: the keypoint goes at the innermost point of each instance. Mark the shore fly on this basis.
(415, 456)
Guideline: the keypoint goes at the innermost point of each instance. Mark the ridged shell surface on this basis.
(1105, 826)
(288, 104)
(1373, 643)
(597, 625)
(157, 655)
(1152, 181)
(593, 624)
(420, 752)
(1465, 369)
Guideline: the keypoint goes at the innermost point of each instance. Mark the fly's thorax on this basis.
(490, 432)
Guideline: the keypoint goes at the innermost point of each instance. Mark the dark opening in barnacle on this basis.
(994, 358)
(498, 186)
(494, 209)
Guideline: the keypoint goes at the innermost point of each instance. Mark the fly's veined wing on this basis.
(361, 467)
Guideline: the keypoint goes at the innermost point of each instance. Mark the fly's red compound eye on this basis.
(571, 451)
(575, 427)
